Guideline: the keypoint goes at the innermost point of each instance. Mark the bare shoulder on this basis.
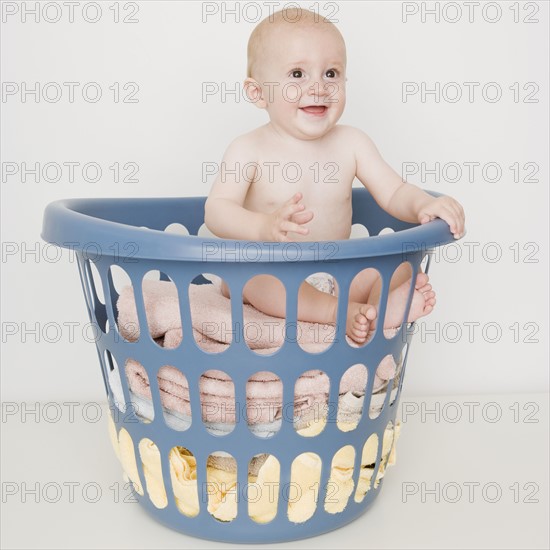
(247, 144)
(352, 135)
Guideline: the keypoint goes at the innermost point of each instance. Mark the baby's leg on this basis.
(266, 293)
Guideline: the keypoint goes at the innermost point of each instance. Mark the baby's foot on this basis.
(360, 321)
(423, 301)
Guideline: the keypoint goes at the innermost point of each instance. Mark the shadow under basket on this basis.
(315, 457)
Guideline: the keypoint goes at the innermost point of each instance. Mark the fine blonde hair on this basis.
(285, 17)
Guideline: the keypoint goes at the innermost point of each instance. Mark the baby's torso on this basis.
(322, 171)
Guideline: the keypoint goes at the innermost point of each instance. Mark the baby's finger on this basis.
(302, 217)
(295, 198)
(459, 211)
(288, 210)
(452, 219)
(425, 217)
(294, 227)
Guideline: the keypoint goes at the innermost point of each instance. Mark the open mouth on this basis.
(316, 110)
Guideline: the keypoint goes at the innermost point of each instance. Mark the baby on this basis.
(307, 163)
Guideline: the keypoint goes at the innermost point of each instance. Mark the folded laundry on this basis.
(350, 406)
(264, 390)
(263, 477)
(211, 317)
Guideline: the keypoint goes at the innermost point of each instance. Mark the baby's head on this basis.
(297, 72)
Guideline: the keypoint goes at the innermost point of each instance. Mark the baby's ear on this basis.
(253, 92)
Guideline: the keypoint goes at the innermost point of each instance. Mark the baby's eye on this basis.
(297, 73)
(331, 73)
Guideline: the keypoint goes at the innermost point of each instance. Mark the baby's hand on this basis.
(447, 209)
(286, 219)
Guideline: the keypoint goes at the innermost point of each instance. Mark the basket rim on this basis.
(66, 226)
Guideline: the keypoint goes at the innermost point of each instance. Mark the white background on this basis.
(172, 130)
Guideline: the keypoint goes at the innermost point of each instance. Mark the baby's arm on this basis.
(402, 200)
(225, 215)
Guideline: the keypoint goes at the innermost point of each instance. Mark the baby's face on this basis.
(302, 75)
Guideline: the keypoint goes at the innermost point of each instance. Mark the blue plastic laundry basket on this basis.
(131, 233)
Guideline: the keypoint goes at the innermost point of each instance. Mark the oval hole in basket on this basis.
(128, 459)
(96, 280)
(340, 483)
(174, 396)
(400, 286)
(166, 312)
(383, 382)
(205, 232)
(317, 293)
(264, 404)
(217, 394)
(183, 474)
(368, 462)
(361, 286)
(351, 398)
(139, 388)
(213, 327)
(387, 447)
(267, 294)
(303, 491)
(311, 403)
(112, 374)
(221, 479)
(358, 231)
(264, 472)
(176, 229)
(152, 471)
(127, 325)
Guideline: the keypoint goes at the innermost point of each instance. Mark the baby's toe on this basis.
(369, 312)
(421, 280)
(359, 335)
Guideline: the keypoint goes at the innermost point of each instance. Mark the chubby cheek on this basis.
(338, 98)
(286, 105)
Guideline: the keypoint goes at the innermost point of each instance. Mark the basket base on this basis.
(244, 530)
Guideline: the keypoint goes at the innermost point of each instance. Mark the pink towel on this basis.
(211, 320)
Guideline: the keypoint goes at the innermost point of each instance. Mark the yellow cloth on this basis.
(222, 493)
(128, 459)
(152, 470)
(263, 490)
(305, 475)
(340, 484)
(183, 473)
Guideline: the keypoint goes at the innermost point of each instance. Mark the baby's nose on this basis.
(318, 88)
